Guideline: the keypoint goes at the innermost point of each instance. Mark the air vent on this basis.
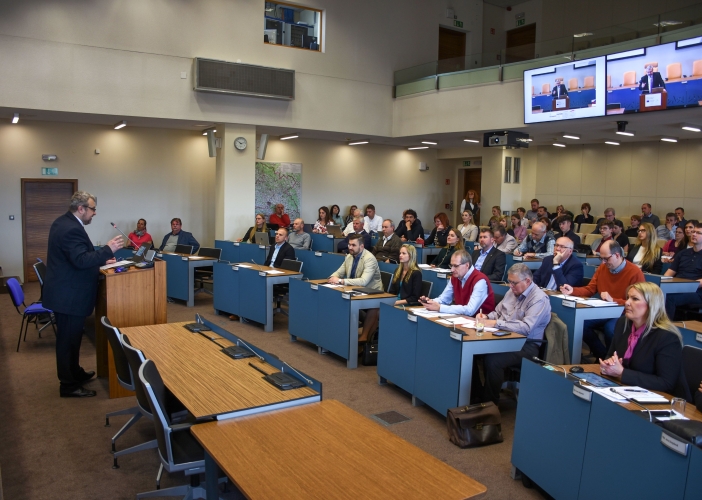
(243, 79)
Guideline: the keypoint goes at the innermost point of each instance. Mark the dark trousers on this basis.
(495, 365)
(673, 300)
(69, 334)
(593, 341)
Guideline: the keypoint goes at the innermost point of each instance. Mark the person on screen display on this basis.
(651, 80)
(559, 90)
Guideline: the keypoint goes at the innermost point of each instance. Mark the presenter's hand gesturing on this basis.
(115, 243)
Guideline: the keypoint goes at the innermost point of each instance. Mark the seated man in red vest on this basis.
(469, 289)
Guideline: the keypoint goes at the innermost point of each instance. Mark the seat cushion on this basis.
(36, 309)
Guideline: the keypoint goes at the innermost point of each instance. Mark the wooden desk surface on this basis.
(578, 305)
(690, 411)
(470, 334)
(326, 450)
(190, 257)
(205, 380)
(695, 326)
(343, 289)
(261, 267)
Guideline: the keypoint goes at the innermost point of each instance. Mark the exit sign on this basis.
(466, 163)
(49, 171)
(458, 24)
(521, 22)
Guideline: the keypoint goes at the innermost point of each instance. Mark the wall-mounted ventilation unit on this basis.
(243, 79)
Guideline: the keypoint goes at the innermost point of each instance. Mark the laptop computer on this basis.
(262, 238)
(367, 290)
(335, 231)
(583, 250)
(141, 251)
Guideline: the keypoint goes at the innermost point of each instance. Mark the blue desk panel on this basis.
(625, 458)
(230, 250)
(334, 326)
(693, 489)
(252, 297)
(438, 282)
(321, 243)
(549, 412)
(589, 271)
(397, 346)
(225, 289)
(690, 337)
(304, 311)
(250, 251)
(578, 99)
(680, 94)
(176, 276)
(317, 265)
(388, 268)
(438, 366)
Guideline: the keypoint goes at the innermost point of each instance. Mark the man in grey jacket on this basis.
(298, 238)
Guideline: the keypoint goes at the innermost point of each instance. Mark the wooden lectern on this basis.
(565, 104)
(133, 298)
(664, 100)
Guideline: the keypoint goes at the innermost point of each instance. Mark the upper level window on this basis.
(292, 26)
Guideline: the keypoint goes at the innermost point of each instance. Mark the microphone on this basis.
(635, 403)
(250, 349)
(199, 319)
(254, 263)
(128, 238)
(293, 369)
(565, 374)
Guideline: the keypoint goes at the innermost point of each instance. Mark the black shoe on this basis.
(79, 393)
(87, 376)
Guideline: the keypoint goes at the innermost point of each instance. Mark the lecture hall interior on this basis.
(379, 102)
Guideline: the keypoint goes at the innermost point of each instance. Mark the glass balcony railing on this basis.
(510, 64)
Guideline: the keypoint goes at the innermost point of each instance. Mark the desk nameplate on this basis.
(569, 303)
(262, 273)
(235, 243)
(184, 258)
(674, 444)
(581, 393)
(314, 286)
(159, 255)
(346, 296)
(318, 254)
(263, 247)
(330, 236)
(442, 276)
(412, 318)
(456, 336)
(698, 337)
(235, 268)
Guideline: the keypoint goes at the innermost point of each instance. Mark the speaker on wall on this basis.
(211, 145)
(262, 145)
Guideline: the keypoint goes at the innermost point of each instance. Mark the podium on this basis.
(651, 102)
(560, 104)
(133, 298)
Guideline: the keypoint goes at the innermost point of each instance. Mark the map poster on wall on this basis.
(278, 183)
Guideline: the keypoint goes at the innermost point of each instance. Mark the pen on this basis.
(634, 390)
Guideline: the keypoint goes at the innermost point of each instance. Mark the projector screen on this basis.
(565, 91)
(655, 78)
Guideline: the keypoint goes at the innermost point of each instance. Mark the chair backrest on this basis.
(572, 84)
(652, 63)
(156, 394)
(630, 78)
(214, 253)
(124, 374)
(590, 238)
(546, 88)
(40, 270)
(692, 368)
(609, 81)
(185, 249)
(674, 71)
(16, 292)
(661, 243)
(135, 358)
(587, 228)
(291, 265)
(585, 282)
(589, 81)
(385, 278)
(426, 288)
(697, 68)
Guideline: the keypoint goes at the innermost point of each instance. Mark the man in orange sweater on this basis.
(611, 280)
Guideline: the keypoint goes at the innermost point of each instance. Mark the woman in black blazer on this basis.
(646, 254)
(454, 241)
(407, 281)
(647, 348)
(259, 227)
(440, 232)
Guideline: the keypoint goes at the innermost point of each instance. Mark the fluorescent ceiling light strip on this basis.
(559, 145)
(15, 118)
(419, 147)
(120, 125)
(471, 140)
(357, 143)
(691, 128)
(627, 133)
(669, 139)
(429, 142)
(612, 143)
(285, 138)
(566, 136)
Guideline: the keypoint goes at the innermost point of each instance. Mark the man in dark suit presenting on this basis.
(651, 80)
(559, 90)
(70, 287)
(281, 250)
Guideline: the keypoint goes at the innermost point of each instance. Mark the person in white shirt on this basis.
(356, 215)
(373, 221)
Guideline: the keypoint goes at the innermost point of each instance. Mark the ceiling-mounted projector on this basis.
(506, 139)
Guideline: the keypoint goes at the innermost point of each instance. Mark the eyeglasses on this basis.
(642, 230)
(605, 259)
(94, 209)
(563, 247)
(514, 283)
(452, 266)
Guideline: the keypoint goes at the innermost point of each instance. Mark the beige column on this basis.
(235, 182)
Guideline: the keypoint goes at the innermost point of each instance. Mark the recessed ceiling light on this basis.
(15, 118)
(568, 136)
(628, 133)
(201, 125)
(285, 138)
(120, 125)
(559, 145)
(612, 143)
(213, 130)
(663, 24)
(419, 147)
(669, 139)
(357, 143)
(430, 143)
(691, 128)
(471, 140)
(580, 35)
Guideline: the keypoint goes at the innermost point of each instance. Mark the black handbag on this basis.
(689, 430)
(370, 351)
(474, 425)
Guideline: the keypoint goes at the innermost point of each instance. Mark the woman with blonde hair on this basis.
(646, 350)
(259, 226)
(468, 230)
(407, 281)
(472, 202)
(454, 242)
(647, 254)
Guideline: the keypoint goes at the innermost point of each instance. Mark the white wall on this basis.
(156, 174)
(493, 44)
(663, 174)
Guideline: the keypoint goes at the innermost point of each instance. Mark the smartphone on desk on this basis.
(501, 334)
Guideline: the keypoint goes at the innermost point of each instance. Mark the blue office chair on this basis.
(31, 312)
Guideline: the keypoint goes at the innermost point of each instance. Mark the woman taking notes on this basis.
(647, 348)
(646, 253)
(259, 227)
(469, 231)
(455, 242)
(407, 281)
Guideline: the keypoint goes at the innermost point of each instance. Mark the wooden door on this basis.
(472, 179)
(521, 44)
(43, 200)
(452, 50)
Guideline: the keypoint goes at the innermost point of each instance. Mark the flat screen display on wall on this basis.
(655, 78)
(565, 91)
